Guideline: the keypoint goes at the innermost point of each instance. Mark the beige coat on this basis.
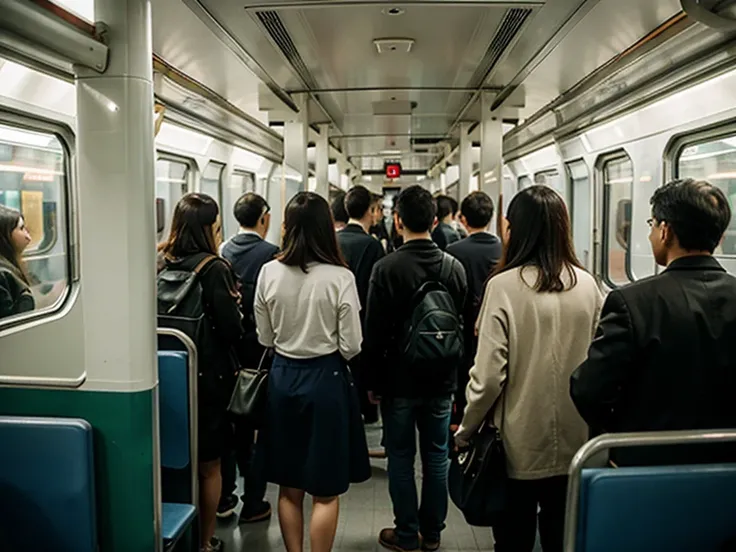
(529, 345)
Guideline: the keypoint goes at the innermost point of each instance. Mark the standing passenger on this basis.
(538, 316)
(247, 252)
(444, 234)
(15, 291)
(413, 396)
(478, 253)
(361, 251)
(191, 245)
(307, 309)
(664, 355)
(339, 214)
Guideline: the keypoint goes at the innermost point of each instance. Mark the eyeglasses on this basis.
(651, 222)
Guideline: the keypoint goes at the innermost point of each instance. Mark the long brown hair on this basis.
(540, 237)
(309, 233)
(192, 227)
(9, 219)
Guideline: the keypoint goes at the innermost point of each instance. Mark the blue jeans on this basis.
(401, 419)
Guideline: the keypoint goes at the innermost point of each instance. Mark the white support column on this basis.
(466, 161)
(296, 131)
(491, 142)
(322, 160)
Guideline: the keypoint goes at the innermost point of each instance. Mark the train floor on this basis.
(364, 511)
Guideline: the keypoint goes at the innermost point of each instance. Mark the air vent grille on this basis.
(277, 31)
(513, 21)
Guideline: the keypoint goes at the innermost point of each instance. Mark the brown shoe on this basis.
(388, 539)
(380, 453)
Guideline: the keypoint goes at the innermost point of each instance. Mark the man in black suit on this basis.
(478, 253)
(444, 234)
(361, 251)
(664, 355)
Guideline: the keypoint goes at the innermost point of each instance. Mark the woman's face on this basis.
(217, 232)
(20, 236)
(505, 231)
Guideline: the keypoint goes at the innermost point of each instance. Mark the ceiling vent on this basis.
(393, 45)
(276, 29)
(513, 21)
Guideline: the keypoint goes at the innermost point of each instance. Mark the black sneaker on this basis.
(227, 506)
(262, 512)
(216, 545)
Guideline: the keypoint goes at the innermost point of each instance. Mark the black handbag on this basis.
(478, 478)
(251, 391)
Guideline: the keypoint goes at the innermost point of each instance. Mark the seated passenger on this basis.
(361, 251)
(339, 214)
(192, 245)
(413, 395)
(307, 309)
(444, 234)
(15, 290)
(664, 355)
(478, 253)
(247, 252)
(538, 316)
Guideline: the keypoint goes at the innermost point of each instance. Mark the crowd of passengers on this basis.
(546, 357)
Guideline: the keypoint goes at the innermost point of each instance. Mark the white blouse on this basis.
(308, 315)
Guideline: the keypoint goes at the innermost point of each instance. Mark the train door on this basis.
(580, 205)
(174, 179)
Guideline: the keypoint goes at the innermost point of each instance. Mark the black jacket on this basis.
(247, 253)
(361, 251)
(444, 234)
(15, 294)
(394, 281)
(478, 254)
(664, 358)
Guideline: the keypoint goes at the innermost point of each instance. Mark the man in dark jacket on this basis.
(361, 251)
(444, 234)
(247, 252)
(339, 214)
(478, 253)
(664, 355)
(412, 397)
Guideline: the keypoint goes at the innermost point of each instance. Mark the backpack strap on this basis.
(201, 265)
(445, 268)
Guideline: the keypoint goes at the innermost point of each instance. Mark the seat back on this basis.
(47, 485)
(173, 400)
(673, 508)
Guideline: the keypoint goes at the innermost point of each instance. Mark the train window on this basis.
(211, 183)
(172, 183)
(579, 206)
(618, 176)
(524, 182)
(33, 184)
(714, 161)
(552, 179)
(240, 182)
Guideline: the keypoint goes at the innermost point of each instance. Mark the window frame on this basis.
(519, 181)
(572, 203)
(600, 166)
(190, 179)
(220, 179)
(67, 140)
(680, 142)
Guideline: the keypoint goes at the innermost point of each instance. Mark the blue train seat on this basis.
(175, 436)
(47, 484)
(673, 508)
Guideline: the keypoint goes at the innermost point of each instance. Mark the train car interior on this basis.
(112, 110)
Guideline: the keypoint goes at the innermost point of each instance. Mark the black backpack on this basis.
(433, 334)
(181, 304)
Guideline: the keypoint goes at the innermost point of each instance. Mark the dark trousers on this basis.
(518, 530)
(367, 409)
(249, 458)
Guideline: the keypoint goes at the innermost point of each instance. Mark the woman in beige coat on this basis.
(539, 313)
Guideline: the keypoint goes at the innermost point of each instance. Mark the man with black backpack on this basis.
(247, 252)
(412, 349)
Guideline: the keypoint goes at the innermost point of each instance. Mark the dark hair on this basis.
(191, 228)
(455, 206)
(697, 211)
(477, 208)
(376, 198)
(540, 237)
(309, 233)
(338, 208)
(9, 219)
(358, 201)
(416, 209)
(444, 206)
(249, 209)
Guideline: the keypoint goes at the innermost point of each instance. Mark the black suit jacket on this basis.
(664, 358)
(443, 235)
(361, 252)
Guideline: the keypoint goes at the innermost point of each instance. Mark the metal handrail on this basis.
(193, 363)
(608, 441)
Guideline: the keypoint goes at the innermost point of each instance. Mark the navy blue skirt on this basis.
(314, 435)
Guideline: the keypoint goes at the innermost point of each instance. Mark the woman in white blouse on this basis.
(539, 314)
(306, 308)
